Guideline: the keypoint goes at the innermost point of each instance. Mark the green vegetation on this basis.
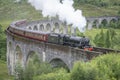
(100, 3)
(115, 24)
(4, 71)
(2, 45)
(106, 39)
(11, 10)
(98, 7)
(105, 67)
(61, 74)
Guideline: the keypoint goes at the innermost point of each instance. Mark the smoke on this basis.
(63, 9)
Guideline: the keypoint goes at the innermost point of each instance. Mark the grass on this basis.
(18, 11)
(91, 10)
(5, 24)
(92, 33)
(4, 71)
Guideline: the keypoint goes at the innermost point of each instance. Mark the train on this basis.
(54, 38)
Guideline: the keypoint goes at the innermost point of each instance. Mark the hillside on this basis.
(10, 10)
(99, 7)
(94, 11)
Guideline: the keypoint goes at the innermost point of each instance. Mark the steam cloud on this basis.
(64, 10)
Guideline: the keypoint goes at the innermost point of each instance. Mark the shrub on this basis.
(105, 67)
(108, 66)
(59, 75)
(83, 71)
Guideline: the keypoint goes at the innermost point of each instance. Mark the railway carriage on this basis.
(55, 38)
(37, 36)
(16, 31)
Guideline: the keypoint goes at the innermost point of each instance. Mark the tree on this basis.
(105, 39)
(83, 71)
(108, 66)
(116, 42)
(2, 44)
(100, 39)
(108, 40)
(105, 67)
(61, 74)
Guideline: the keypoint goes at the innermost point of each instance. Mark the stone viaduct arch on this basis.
(29, 28)
(58, 62)
(41, 28)
(113, 21)
(18, 55)
(35, 28)
(56, 27)
(104, 22)
(30, 56)
(95, 23)
(48, 27)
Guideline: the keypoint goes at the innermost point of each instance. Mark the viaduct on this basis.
(97, 21)
(22, 49)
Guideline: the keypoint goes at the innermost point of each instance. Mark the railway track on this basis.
(105, 50)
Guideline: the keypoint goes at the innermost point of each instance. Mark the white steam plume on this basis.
(64, 10)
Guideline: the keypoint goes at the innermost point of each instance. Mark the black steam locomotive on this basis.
(68, 40)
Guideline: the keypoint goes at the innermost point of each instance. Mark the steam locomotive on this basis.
(55, 38)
